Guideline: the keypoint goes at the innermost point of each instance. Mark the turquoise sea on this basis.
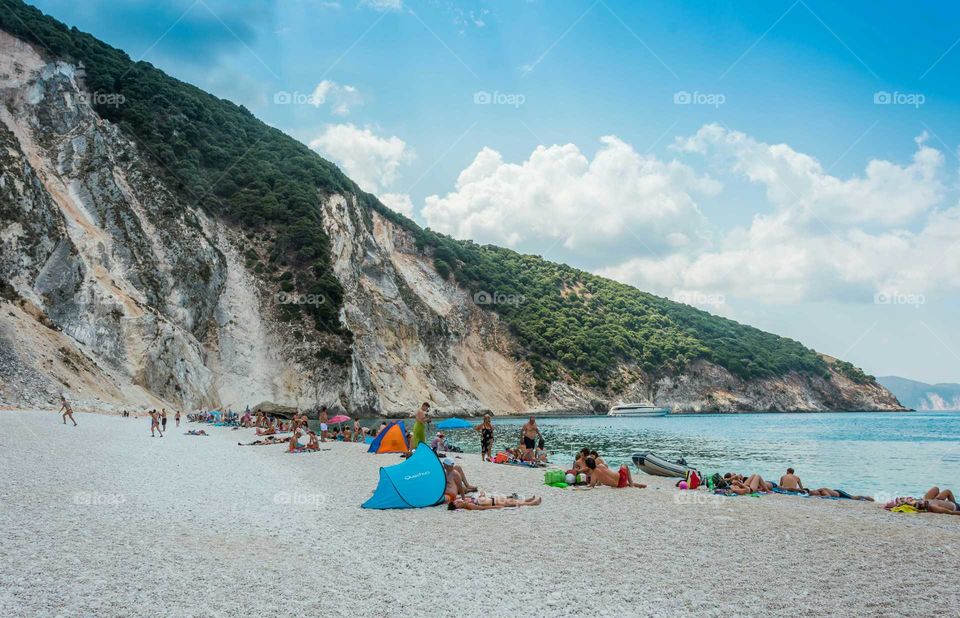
(861, 452)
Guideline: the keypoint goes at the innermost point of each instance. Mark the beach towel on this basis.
(904, 508)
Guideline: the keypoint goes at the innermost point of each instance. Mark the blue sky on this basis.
(792, 165)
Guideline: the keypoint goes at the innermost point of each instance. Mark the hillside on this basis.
(245, 214)
(923, 396)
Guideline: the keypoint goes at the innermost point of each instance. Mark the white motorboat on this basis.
(637, 409)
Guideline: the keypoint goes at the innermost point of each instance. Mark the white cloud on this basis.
(886, 194)
(399, 202)
(383, 5)
(340, 97)
(825, 238)
(373, 162)
(618, 199)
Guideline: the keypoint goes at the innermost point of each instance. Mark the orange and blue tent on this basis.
(417, 482)
(393, 439)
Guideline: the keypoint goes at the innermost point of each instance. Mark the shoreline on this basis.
(110, 521)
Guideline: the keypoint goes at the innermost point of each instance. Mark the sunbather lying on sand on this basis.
(484, 503)
(195, 432)
(605, 476)
(753, 484)
(826, 492)
(267, 440)
(934, 501)
(269, 430)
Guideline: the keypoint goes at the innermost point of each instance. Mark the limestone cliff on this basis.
(119, 290)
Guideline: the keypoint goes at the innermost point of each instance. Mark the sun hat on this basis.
(448, 461)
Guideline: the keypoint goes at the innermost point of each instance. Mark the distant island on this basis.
(923, 396)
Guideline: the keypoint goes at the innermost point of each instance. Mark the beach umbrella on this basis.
(454, 423)
(340, 418)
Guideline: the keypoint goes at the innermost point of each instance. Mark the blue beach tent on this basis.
(417, 482)
(454, 423)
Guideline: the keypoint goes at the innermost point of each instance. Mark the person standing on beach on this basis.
(486, 438)
(420, 426)
(155, 423)
(529, 434)
(323, 423)
(163, 418)
(176, 418)
(67, 410)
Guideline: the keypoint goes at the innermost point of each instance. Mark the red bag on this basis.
(693, 479)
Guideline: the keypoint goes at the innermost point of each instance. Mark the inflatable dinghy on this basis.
(658, 466)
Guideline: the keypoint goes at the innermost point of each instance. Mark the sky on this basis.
(789, 164)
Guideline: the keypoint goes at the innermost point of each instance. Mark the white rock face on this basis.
(417, 337)
(163, 303)
(117, 292)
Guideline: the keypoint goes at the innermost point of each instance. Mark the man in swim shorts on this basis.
(420, 426)
(605, 476)
(529, 434)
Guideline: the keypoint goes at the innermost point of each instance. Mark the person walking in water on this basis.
(420, 426)
(486, 438)
(155, 423)
(67, 410)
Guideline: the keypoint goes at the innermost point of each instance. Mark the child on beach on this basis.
(67, 410)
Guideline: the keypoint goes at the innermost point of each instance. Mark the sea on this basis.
(881, 454)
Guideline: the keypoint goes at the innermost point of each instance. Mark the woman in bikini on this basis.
(67, 411)
(484, 503)
(486, 438)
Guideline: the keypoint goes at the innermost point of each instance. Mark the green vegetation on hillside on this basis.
(589, 325)
(213, 153)
(217, 154)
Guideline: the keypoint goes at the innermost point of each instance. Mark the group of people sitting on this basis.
(458, 490)
(593, 470)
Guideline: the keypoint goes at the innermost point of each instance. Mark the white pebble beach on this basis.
(101, 519)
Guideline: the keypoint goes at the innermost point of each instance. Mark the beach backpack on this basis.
(693, 479)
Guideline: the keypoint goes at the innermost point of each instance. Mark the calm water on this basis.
(871, 453)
